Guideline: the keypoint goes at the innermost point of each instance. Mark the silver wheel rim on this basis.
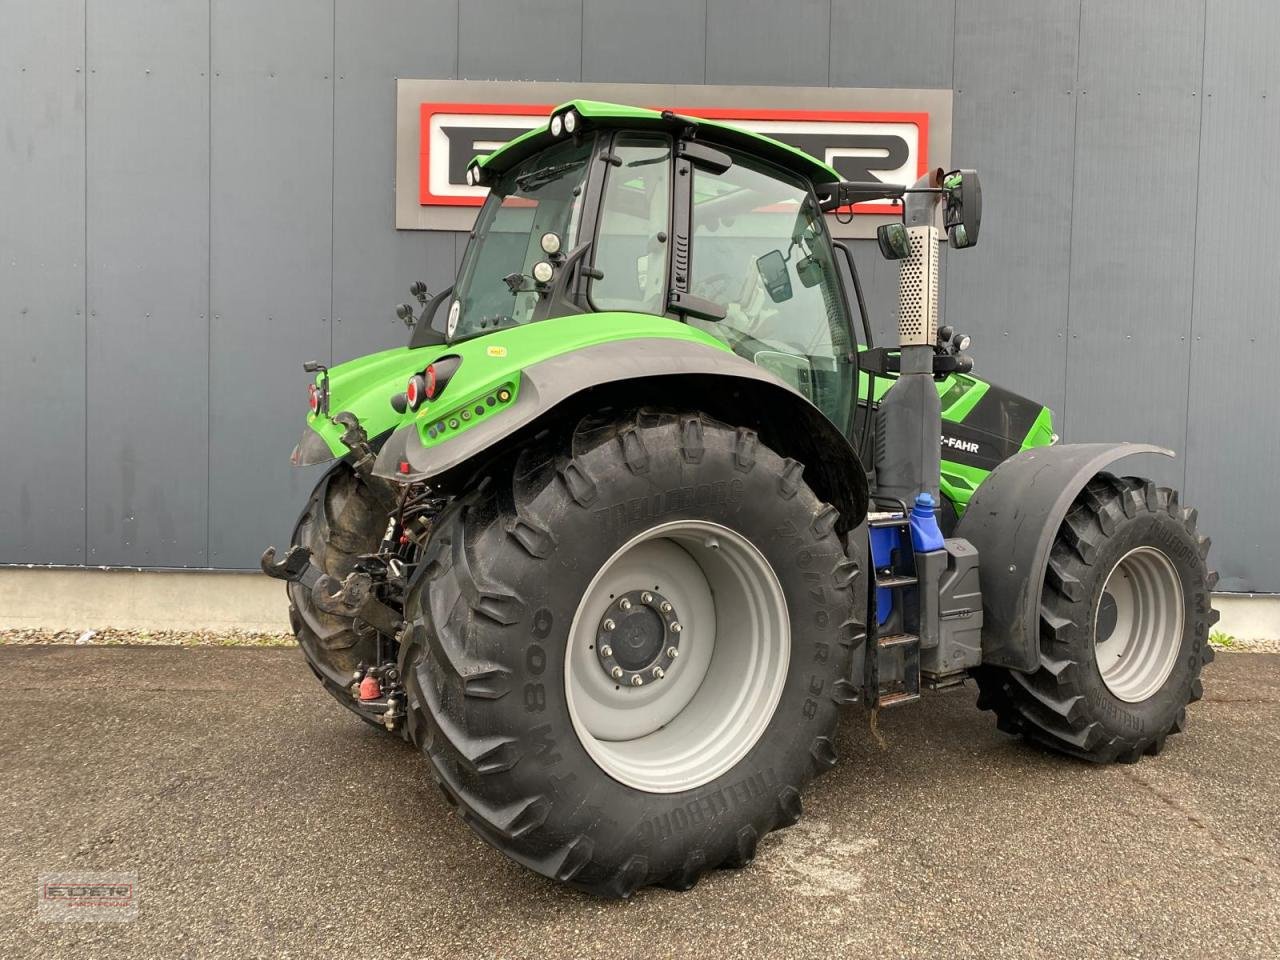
(716, 695)
(1137, 627)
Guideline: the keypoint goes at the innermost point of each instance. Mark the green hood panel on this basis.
(490, 365)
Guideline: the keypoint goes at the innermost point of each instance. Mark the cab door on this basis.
(760, 251)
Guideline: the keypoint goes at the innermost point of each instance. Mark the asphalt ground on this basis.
(262, 820)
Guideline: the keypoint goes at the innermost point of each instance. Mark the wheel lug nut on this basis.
(676, 627)
(608, 625)
(658, 673)
(636, 680)
(666, 607)
(616, 673)
(673, 652)
(624, 604)
(646, 597)
(606, 651)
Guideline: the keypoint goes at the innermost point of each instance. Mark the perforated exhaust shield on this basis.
(918, 314)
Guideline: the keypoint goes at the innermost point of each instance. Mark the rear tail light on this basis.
(313, 397)
(430, 386)
(416, 391)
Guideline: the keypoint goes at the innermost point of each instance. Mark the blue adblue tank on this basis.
(925, 535)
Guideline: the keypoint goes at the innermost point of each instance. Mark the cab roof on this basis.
(597, 115)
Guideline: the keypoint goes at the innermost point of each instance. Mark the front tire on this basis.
(546, 743)
(344, 518)
(1124, 628)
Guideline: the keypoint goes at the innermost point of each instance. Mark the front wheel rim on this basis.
(707, 593)
(1138, 625)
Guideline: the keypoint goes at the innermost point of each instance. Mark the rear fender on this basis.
(658, 372)
(1013, 520)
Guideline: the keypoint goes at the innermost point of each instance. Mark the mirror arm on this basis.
(423, 334)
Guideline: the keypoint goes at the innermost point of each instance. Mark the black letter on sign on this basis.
(894, 148)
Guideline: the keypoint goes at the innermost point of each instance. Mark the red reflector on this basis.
(404, 466)
(431, 382)
(370, 689)
(411, 393)
(313, 397)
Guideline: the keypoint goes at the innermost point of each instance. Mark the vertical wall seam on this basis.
(831, 22)
(582, 39)
(457, 42)
(1195, 247)
(85, 264)
(1071, 230)
(955, 20)
(333, 164)
(706, 39)
(208, 323)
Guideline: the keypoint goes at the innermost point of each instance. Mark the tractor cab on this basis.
(611, 209)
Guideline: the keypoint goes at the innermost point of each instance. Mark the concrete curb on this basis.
(74, 598)
(62, 598)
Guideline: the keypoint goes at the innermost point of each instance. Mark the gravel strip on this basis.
(154, 638)
(1237, 645)
(246, 638)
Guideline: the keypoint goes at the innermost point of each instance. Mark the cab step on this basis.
(891, 581)
(897, 669)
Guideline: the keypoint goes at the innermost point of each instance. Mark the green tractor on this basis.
(641, 507)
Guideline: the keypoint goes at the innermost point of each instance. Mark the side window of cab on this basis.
(635, 214)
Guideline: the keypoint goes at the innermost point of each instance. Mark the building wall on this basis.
(197, 195)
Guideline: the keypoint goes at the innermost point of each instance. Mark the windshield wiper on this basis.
(544, 175)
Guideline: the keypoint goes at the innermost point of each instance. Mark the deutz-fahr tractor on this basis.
(641, 507)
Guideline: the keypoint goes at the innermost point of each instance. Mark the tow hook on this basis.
(294, 566)
(378, 690)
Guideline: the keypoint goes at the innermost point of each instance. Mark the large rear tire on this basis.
(345, 517)
(613, 744)
(1124, 628)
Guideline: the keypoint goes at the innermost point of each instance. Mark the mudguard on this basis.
(658, 370)
(1013, 519)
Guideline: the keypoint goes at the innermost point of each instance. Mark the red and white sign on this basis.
(862, 145)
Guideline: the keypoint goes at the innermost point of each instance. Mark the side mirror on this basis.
(962, 212)
(895, 242)
(772, 268)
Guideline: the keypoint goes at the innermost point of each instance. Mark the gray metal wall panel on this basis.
(42, 321)
(148, 268)
(373, 265)
(271, 187)
(520, 40)
(1014, 121)
(298, 184)
(1137, 146)
(1233, 446)
(762, 41)
(892, 43)
(658, 40)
